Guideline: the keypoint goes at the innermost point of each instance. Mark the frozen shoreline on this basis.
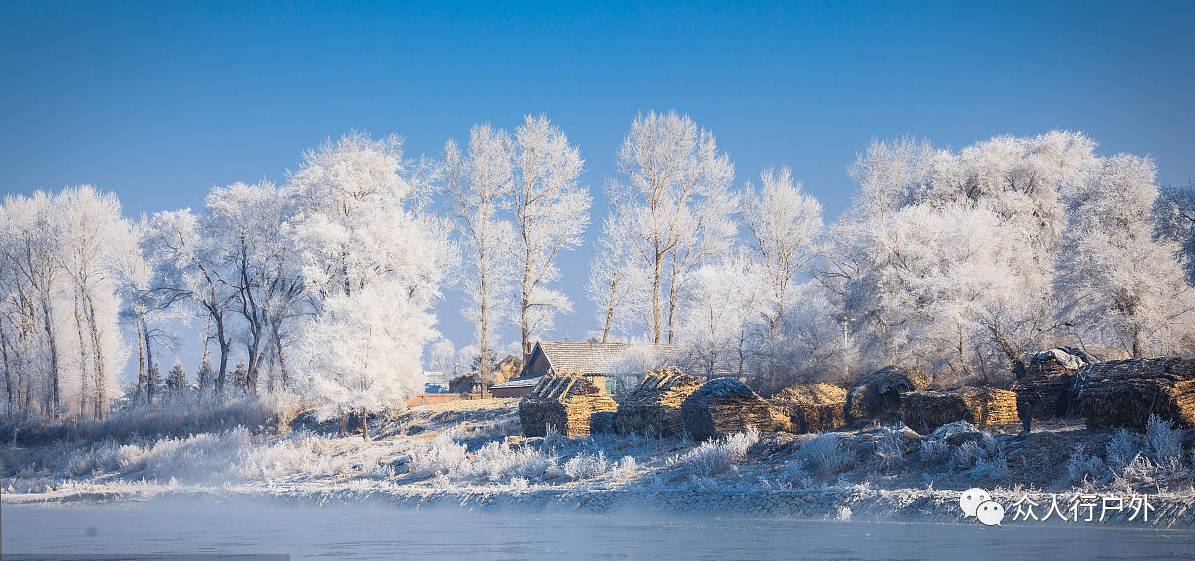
(873, 505)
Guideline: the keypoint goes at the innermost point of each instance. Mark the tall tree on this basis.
(551, 211)
(676, 192)
(372, 259)
(1127, 290)
(480, 184)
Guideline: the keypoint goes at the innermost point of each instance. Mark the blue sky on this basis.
(158, 101)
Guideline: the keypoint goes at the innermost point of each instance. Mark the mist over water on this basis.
(377, 531)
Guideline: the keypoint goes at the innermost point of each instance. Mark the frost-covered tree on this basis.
(617, 279)
(1126, 289)
(61, 266)
(783, 224)
(551, 211)
(97, 245)
(1174, 220)
(1014, 186)
(245, 223)
(188, 269)
(676, 195)
(362, 351)
(372, 258)
(480, 184)
(176, 382)
(721, 304)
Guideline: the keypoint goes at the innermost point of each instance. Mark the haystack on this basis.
(877, 395)
(654, 407)
(725, 406)
(567, 403)
(1124, 393)
(813, 407)
(925, 411)
(1044, 390)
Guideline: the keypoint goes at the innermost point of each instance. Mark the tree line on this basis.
(957, 262)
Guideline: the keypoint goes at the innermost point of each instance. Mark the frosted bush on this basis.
(794, 476)
(888, 449)
(437, 457)
(1120, 450)
(995, 467)
(826, 454)
(934, 451)
(584, 466)
(1083, 467)
(305, 454)
(1139, 472)
(716, 457)
(493, 462)
(1165, 442)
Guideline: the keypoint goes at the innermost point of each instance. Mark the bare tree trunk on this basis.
(364, 426)
(7, 371)
(82, 358)
(141, 370)
(224, 345)
(672, 297)
(483, 368)
(52, 342)
(97, 355)
(149, 361)
(657, 277)
(280, 355)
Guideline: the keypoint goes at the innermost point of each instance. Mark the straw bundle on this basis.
(877, 395)
(654, 407)
(1045, 390)
(1124, 393)
(813, 407)
(725, 406)
(567, 403)
(982, 407)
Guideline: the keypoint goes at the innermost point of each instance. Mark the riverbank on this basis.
(470, 455)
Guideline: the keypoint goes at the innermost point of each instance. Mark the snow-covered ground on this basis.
(472, 454)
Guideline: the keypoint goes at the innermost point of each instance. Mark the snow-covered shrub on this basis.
(827, 454)
(1139, 472)
(935, 451)
(716, 457)
(1165, 442)
(584, 466)
(995, 467)
(981, 459)
(1083, 467)
(493, 462)
(888, 449)
(437, 457)
(794, 476)
(1120, 450)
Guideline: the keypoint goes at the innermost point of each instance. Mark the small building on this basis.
(600, 362)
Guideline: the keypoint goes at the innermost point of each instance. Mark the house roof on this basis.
(584, 357)
(517, 383)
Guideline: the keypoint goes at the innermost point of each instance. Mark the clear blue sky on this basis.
(158, 101)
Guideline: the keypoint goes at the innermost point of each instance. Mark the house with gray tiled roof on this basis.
(589, 358)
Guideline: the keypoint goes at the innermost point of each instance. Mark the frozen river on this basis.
(376, 531)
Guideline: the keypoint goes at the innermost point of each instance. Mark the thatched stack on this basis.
(982, 407)
(654, 407)
(1044, 391)
(1124, 393)
(725, 406)
(567, 403)
(813, 407)
(877, 395)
